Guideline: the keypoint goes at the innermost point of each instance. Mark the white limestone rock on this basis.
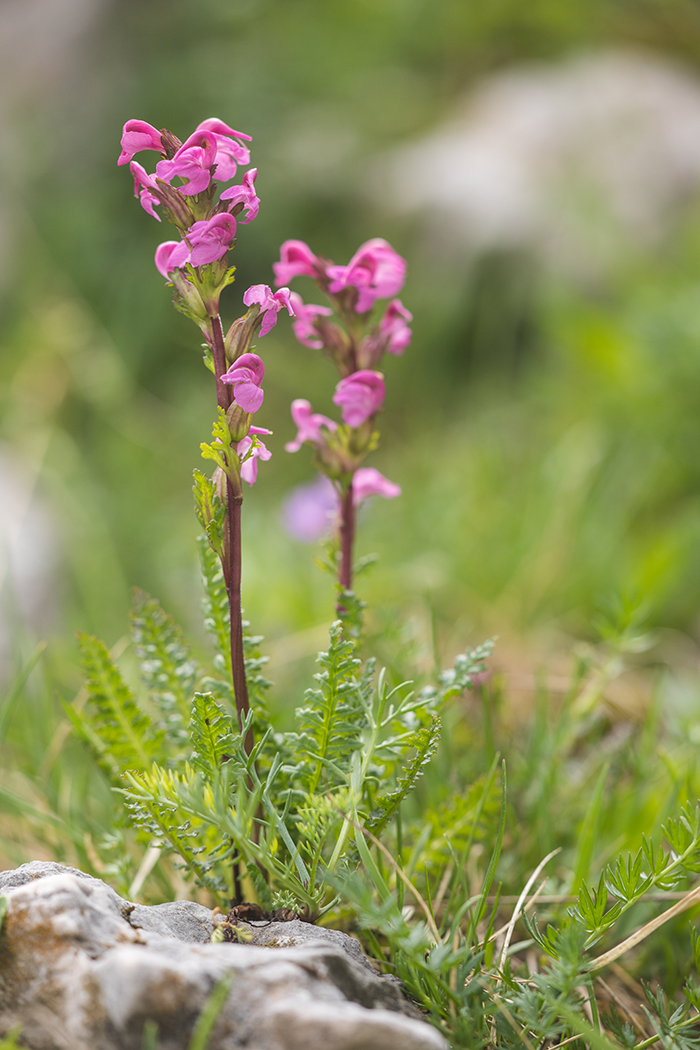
(83, 969)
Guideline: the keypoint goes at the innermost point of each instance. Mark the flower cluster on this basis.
(345, 331)
(355, 341)
(185, 185)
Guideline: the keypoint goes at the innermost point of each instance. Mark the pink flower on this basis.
(138, 135)
(144, 184)
(211, 238)
(304, 317)
(193, 161)
(308, 424)
(245, 376)
(296, 260)
(170, 255)
(229, 150)
(249, 468)
(311, 511)
(270, 305)
(369, 482)
(394, 328)
(375, 269)
(360, 396)
(245, 195)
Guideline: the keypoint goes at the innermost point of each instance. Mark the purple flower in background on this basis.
(393, 327)
(270, 305)
(360, 395)
(308, 424)
(249, 469)
(369, 482)
(211, 238)
(304, 317)
(245, 376)
(296, 260)
(144, 185)
(310, 511)
(244, 194)
(193, 161)
(170, 255)
(138, 135)
(230, 151)
(376, 270)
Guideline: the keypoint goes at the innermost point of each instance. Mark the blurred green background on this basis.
(544, 424)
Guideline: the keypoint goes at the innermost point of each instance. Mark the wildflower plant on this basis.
(311, 819)
(202, 771)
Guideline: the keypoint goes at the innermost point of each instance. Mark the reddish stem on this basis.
(232, 556)
(347, 537)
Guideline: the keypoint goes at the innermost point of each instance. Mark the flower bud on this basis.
(238, 422)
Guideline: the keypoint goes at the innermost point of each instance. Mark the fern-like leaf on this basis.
(214, 736)
(332, 721)
(167, 669)
(215, 604)
(426, 742)
(122, 736)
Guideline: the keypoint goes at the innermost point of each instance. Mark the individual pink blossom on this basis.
(249, 468)
(244, 194)
(270, 305)
(376, 270)
(138, 135)
(245, 376)
(296, 260)
(230, 151)
(211, 238)
(193, 161)
(360, 395)
(311, 510)
(308, 424)
(170, 255)
(144, 185)
(393, 327)
(303, 323)
(367, 481)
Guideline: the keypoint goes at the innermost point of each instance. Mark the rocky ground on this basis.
(83, 969)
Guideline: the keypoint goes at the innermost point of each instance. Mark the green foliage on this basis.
(120, 733)
(332, 721)
(210, 511)
(628, 879)
(214, 737)
(167, 668)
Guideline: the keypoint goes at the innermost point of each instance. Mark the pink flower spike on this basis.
(144, 184)
(249, 468)
(296, 260)
(308, 424)
(245, 376)
(310, 511)
(368, 482)
(394, 328)
(193, 161)
(376, 270)
(211, 238)
(360, 396)
(270, 305)
(245, 195)
(138, 135)
(170, 255)
(304, 317)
